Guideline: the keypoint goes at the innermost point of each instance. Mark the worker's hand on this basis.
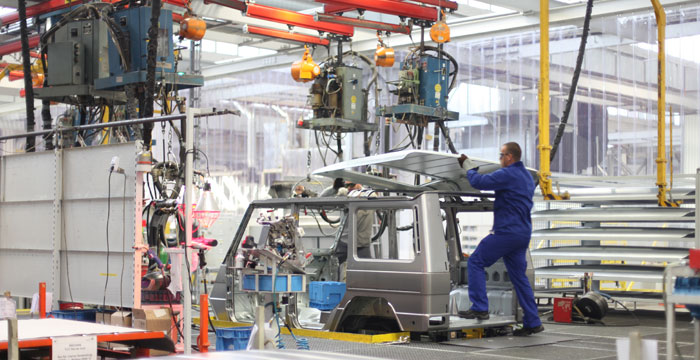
(461, 160)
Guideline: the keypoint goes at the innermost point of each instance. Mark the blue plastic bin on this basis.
(266, 283)
(232, 338)
(88, 315)
(325, 295)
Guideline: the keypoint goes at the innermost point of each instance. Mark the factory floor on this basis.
(568, 342)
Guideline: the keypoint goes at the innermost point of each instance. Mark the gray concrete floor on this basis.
(580, 342)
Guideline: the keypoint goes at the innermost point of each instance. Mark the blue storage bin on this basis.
(265, 283)
(232, 338)
(88, 315)
(325, 295)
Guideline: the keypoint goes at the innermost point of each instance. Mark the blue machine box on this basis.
(136, 22)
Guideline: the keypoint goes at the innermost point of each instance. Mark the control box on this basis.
(78, 53)
(135, 22)
(352, 103)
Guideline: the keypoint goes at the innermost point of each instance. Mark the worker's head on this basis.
(299, 189)
(510, 154)
(353, 186)
(338, 183)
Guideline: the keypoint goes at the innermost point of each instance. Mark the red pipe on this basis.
(336, 9)
(285, 35)
(388, 7)
(16, 46)
(42, 300)
(294, 18)
(54, 5)
(440, 3)
(233, 4)
(39, 9)
(367, 24)
(203, 338)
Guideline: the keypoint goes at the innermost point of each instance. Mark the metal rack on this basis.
(598, 209)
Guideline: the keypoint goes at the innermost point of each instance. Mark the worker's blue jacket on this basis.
(514, 191)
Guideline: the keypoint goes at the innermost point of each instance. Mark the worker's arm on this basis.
(496, 180)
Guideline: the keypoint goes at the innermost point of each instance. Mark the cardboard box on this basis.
(153, 320)
(121, 318)
(103, 318)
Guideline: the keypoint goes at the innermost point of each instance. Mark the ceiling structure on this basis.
(227, 50)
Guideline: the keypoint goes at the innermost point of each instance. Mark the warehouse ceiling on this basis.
(227, 50)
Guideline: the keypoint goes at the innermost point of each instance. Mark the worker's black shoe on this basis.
(471, 314)
(525, 331)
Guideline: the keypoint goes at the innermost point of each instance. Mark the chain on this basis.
(308, 164)
(188, 7)
(377, 143)
(170, 141)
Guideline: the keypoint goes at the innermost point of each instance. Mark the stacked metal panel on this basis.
(613, 234)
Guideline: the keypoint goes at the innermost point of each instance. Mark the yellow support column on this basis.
(661, 108)
(543, 107)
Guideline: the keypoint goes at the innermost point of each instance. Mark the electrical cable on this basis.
(574, 81)
(65, 240)
(151, 60)
(109, 203)
(205, 157)
(313, 215)
(121, 277)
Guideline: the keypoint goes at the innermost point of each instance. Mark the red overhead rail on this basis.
(234, 4)
(289, 17)
(391, 7)
(367, 24)
(336, 9)
(285, 35)
(55, 5)
(35, 10)
(440, 3)
(16, 46)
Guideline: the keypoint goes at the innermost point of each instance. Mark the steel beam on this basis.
(285, 35)
(391, 7)
(296, 19)
(367, 24)
(118, 123)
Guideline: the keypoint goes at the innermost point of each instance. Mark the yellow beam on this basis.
(358, 338)
(661, 107)
(543, 107)
(320, 334)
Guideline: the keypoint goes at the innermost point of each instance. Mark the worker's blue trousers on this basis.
(512, 248)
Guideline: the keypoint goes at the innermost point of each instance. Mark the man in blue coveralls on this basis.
(509, 238)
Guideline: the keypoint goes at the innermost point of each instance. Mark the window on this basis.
(385, 234)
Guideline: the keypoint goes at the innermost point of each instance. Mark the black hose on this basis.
(574, 80)
(26, 66)
(151, 70)
(46, 119)
(325, 218)
(446, 134)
